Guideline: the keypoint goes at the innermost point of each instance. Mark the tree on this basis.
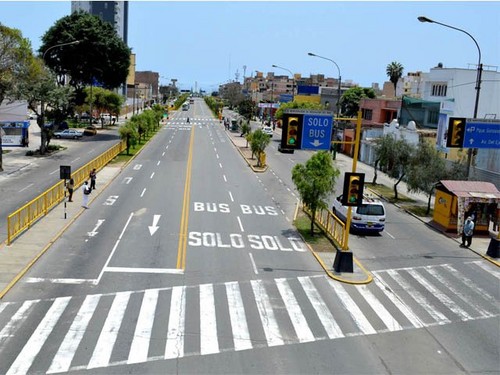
(245, 129)
(349, 101)
(426, 168)
(99, 56)
(45, 98)
(383, 149)
(247, 109)
(296, 105)
(394, 71)
(315, 181)
(128, 132)
(103, 101)
(394, 158)
(258, 143)
(15, 59)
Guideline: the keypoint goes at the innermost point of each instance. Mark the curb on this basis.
(367, 280)
(243, 156)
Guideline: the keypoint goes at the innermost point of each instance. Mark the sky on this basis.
(205, 44)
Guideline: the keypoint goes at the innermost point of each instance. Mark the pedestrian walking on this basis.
(70, 185)
(467, 232)
(92, 176)
(86, 190)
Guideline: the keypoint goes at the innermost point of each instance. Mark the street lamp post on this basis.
(59, 45)
(340, 79)
(293, 78)
(478, 77)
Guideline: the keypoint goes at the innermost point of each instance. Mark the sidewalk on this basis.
(16, 259)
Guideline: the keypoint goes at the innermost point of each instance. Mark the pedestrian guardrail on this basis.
(329, 223)
(27, 215)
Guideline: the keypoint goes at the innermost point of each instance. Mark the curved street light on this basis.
(478, 76)
(291, 74)
(340, 79)
(59, 45)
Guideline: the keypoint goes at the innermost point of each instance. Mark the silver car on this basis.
(68, 134)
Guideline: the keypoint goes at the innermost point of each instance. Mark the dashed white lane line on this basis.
(158, 162)
(142, 194)
(254, 266)
(217, 155)
(163, 154)
(54, 171)
(72, 161)
(390, 235)
(152, 174)
(231, 196)
(225, 179)
(220, 165)
(26, 187)
(239, 222)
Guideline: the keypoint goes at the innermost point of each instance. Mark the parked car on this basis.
(90, 130)
(369, 217)
(267, 130)
(68, 134)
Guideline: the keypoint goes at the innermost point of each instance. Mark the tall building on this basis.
(114, 12)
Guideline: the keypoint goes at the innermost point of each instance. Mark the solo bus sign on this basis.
(306, 129)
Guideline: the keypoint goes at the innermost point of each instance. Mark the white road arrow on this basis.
(316, 143)
(94, 231)
(153, 228)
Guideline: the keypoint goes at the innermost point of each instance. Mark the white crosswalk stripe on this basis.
(64, 356)
(140, 343)
(286, 311)
(29, 352)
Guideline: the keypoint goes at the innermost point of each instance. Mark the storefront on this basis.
(456, 200)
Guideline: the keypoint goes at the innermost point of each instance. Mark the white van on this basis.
(369, 217)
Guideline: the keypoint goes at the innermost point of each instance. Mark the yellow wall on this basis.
(443, 208)
(307, 99)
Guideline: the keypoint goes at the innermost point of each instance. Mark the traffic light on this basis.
(456, 132)
(292, 131)
(353, 189)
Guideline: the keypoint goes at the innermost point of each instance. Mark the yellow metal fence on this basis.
(331, 224)
(27, 215)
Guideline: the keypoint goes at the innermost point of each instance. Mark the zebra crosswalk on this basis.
(130, 327)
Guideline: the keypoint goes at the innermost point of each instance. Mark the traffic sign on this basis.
(317, 132)
(482, 134)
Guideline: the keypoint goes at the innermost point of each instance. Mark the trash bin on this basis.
(234, 125)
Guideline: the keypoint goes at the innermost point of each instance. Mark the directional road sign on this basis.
(482, 134)
(317, 132)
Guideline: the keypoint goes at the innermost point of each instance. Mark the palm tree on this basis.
(394, 71)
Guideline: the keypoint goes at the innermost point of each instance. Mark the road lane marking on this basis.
(78, 158)
(114, 248)
(181, 248)
(209, 342)
(144, 270)
(390, 235)
(225, 179)
(325, 316)
(254, 266)
(26, 187)
(142, 194)
(239, 326)
(231, 196)
(220, 165)
(33, 280)
(239, 222)
(266, 313)
(357, 315)
(54, 171)
(299, 322)
(17, 320)
(140, 343)
(107, 338)
(27, 355)
(64, 356)
(159, 161)
(152, 174)
(384, 315)
(163, 154)
(174, 347)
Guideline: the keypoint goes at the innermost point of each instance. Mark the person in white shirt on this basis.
(86, 192)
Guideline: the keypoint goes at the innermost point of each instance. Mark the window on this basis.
(367, 114)
(371, 209)
(439, 89)
(432, 117)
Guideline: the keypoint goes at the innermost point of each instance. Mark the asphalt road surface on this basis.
(189, 263)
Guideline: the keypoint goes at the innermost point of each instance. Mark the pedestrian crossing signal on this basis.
(353, 189)
(292, 131)
(456, 132)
